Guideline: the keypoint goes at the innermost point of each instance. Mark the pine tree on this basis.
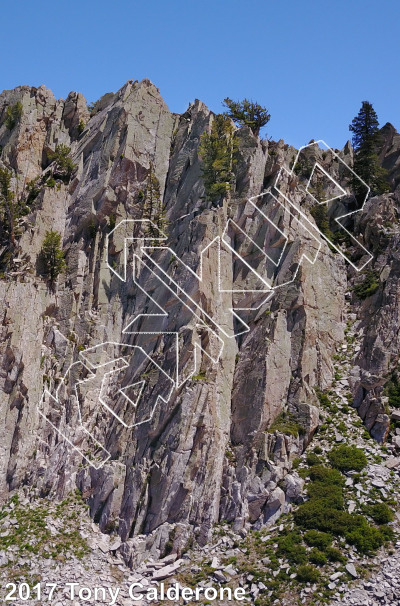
(366, 139)
(8, 205)
(13, 115)
(217, 152)
(52, 256)
(247, 113)
(64, 166)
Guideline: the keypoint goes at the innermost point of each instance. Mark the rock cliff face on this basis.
(206, 453)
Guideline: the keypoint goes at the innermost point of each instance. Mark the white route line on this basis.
(195, 308)
(317, 165)
(89, 367)
(304, 255)
(337, 219)
(58, 401)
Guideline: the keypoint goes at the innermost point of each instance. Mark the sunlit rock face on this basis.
(214, 448)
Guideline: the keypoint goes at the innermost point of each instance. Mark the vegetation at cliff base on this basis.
(347, 458)
(380, 513)
(40, 530)
(247, 113)
(392, 390)
(324, 511)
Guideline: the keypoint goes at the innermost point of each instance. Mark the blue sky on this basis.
(310, 62)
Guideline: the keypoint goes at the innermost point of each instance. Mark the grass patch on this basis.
(287, 423)
(201, 376)
(325, 401)
(30, 531)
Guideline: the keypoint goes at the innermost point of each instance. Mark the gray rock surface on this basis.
(217, 450)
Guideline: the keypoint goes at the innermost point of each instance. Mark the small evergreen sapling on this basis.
(52, 256)
(64, 166)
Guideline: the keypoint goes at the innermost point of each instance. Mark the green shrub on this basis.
(368, 287)
(316, 513)
(392, 389)
(307, 574)
(154, 209)
(380, 513)
(200, 376)
(387, 533)
(91, 229)
(320, 473)
(365, 537)
(347, 458)
(289, 546)
(32, 190)
(112, 220)
(312, 459)
(296, 462)
(217, 152)
(8, 205)
(323, 398)
(320, 215)
(335, 555)
(314, 538)
(64, 166)
(317, 557)
(12, 207)
(324, 512)
(81, 126)
(13, 115)
(327, 495)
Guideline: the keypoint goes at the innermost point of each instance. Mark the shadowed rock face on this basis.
(205, 454)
